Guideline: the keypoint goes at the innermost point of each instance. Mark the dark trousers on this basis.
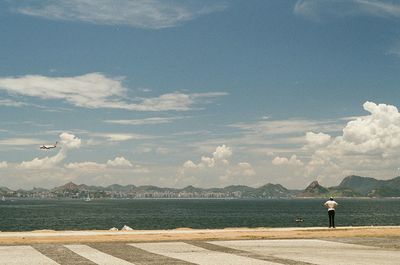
(331, 214)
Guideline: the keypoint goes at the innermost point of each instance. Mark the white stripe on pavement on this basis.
(316, 251)
(23, 255)
(194, 254)
(96, 256)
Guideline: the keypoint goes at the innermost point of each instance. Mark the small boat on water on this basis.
(299, 220)
(88, 199)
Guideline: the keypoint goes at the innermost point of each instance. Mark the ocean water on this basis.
(25, 215)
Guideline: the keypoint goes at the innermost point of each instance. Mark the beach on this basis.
(184, 234)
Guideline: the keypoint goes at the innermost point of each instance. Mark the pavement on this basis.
(232, 252)
(343, 246)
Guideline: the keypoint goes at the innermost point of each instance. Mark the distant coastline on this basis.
(351, 186)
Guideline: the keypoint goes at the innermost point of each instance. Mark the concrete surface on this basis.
(21, 255)
(96, 256)
(317, 251)
(197, 255)
(235, 252)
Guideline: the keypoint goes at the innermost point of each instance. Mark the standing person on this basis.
(331, 205)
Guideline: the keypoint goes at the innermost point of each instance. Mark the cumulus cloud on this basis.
(369, 144)
(67, 141)
(220, 155)
(148, 14)
(282, 161)
(189, 164)
(379, 131)
(95, 90)
(119, 162)
(246, 169)
(216, 167)
(242, 169)
(222, 152)
(317, 139)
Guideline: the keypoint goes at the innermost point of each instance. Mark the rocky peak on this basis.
(68, 186)
(315, 188)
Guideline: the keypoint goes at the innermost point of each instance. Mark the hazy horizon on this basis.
(181, 187)
(213, 93)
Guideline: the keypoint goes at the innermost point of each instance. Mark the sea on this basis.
(27, 215)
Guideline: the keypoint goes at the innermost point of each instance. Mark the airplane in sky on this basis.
(47, 147)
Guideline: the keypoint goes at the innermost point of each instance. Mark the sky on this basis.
(205, 93)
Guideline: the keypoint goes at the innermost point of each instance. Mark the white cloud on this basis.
(278, 136)
(369, 145)
(120, 137)
(190, 164)
(379, 8)
(319, 9)
(67, 142)
(20, 141)
(287, 127)
(95, 90)
(241, 171)
(119, 162)
(216, 167)
(42, 163)
(89, 90)
(3, 164)
(220, 155)
(207, 162)
(317, 139)
(86, 166)
(246, 169)
(11, 103)
(149, 14)
(174, 101)
(282, 161)
(222, 152)
(146, 121)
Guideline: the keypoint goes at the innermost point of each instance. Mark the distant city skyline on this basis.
(205, 93)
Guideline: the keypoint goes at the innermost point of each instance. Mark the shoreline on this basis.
(188, 234)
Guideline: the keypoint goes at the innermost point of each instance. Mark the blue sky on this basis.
(204, 93)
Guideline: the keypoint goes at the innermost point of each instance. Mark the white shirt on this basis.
(331, 205)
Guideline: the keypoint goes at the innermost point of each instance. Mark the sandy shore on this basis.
(184, 234)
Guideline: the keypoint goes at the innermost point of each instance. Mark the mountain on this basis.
(190, 188)
(362, 185)
(272, 191)
(371, 187)
(4, 190)
(355, 186)
(314, 190)
(117, 187)
(238, 188)
(350, 186)
(70, 186)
